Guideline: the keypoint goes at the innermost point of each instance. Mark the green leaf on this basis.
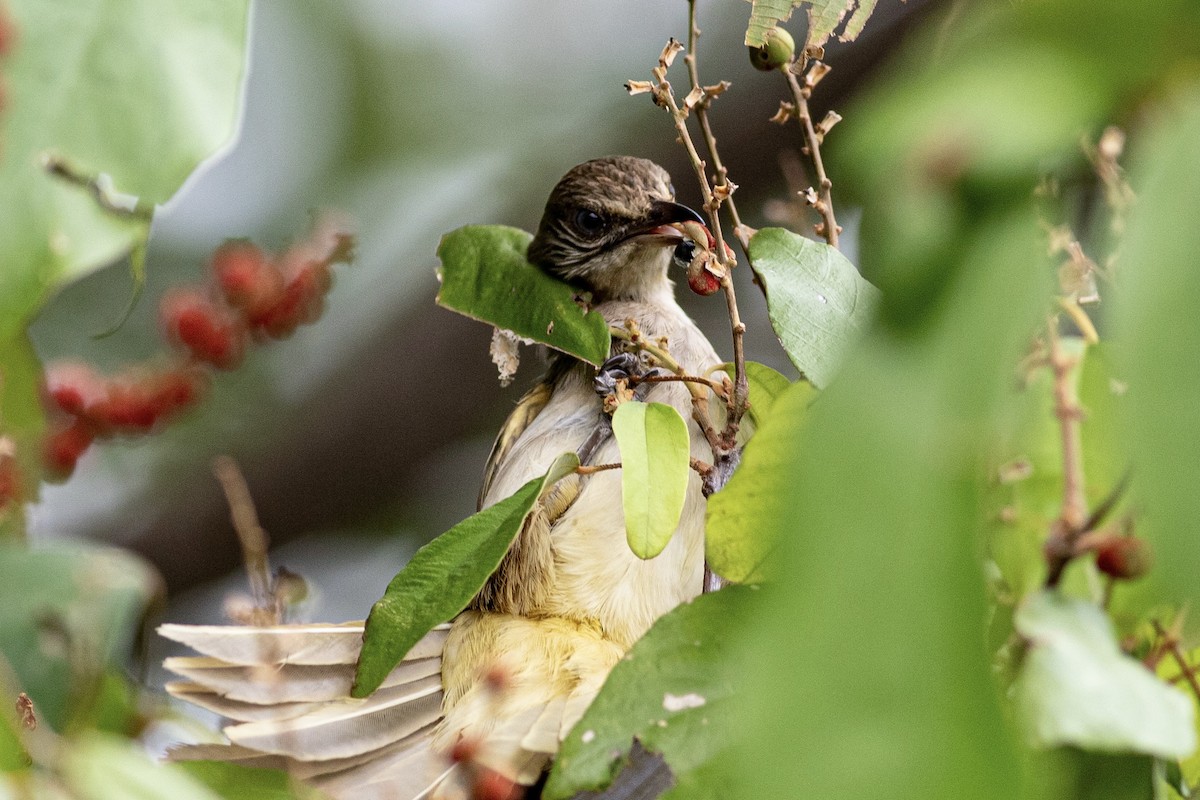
(765, 385)
(99, 767)
(1076, 687)
(1070, 774)
(869, 669)
(858, 20)
(741, 517)
(655, 449)
(674, 691)
(13, 756)
(823, 17)
(817, 301)
(139, 90)
(69, 611)
(485, 276)
(443, 576)
(1156, 324)
(235, 782)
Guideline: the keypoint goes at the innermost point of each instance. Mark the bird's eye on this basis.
(588, 221)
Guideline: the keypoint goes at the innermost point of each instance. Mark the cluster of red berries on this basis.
(250, 296)
(1123, 557)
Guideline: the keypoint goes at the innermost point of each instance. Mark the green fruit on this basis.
(776, 53)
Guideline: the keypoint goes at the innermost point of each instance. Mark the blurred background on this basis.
(364, 436)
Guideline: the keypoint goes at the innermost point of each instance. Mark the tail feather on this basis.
(347, 727)
(236, 710)
(288, 683)
(288, 644)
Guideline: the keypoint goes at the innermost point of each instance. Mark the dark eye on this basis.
(588, 221)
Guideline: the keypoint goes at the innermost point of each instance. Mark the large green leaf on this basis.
(1077, 688)
(818, 303)
(486, 276)
(139, 90)
(655, 448)
(1157, 329)
(742, 517)
(69, 612)
(443, 576)
(823, 17)
(674, 691)
(869, 669)
(98, 767)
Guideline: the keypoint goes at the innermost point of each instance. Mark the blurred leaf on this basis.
(817, 301)
(655, 448)
(485, 276)
(12, 751)
(22, 419)
(1077, 688)
(68, 612)
(443, 576)
(235, 782)
(139, 90)
(674, 691)
(742, 516)
(98, 767)
(1070, 774)
(869, 670)
(1156, 324)
(1169, 670)
(765, 385)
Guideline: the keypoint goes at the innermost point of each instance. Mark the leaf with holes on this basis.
(654, 473)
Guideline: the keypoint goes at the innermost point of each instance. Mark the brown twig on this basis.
(250, 533)
(1072, 520)
(591, 469)
(822, 198)
(717, 388)
(1170, 640)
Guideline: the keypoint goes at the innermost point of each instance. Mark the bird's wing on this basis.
(528, 407)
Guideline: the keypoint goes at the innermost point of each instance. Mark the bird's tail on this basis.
(286, 691)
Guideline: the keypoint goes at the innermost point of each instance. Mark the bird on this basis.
(489, 695)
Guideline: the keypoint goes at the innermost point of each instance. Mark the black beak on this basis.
(654, 225)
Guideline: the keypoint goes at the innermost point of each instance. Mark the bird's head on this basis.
(605, 228)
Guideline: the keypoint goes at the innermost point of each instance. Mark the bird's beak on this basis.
(656, 226)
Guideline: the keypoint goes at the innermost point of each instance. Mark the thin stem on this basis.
(1171, 642)
(1073, 518)
(245, 523)
(585, 469)
(717, 388)
(812, 147)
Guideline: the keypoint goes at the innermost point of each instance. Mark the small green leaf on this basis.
(101, 767)
(742, 516)
(655, 449)
(1077, 688)
(486, 276)
(443, 576)
(817, 301)
(674, 691)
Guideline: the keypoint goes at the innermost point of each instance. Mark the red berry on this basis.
(8, 30)
(1124, 557)
(63, 446)
(130, 406)
(247, 278)
(491, 785)
(177, 388)
(303, 297)
(10, 474)
(207, 330)
(73, 386)
(464, 750)
(701, 281)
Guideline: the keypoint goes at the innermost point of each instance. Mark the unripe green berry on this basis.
(776, 53)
